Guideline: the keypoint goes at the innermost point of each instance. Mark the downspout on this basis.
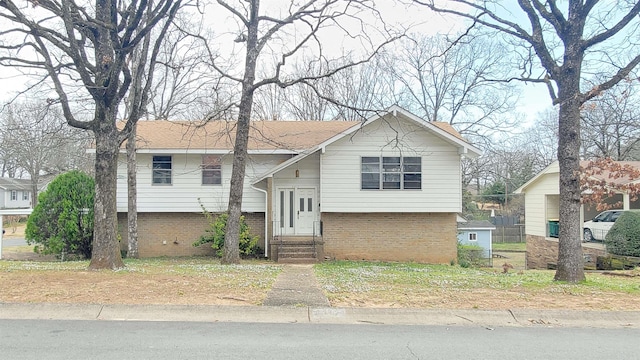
(266, 226)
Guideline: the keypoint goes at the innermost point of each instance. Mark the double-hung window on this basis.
(25, 195)
(211, 170)
(370, 173)
(412, 173)
(14, 195)
(161, 174)
(391, 173)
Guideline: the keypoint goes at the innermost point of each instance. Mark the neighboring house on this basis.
(15, 193)
(477, 232)
(542, 211)
(388, 188)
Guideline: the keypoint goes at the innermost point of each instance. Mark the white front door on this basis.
(296, 211)
(306, 210)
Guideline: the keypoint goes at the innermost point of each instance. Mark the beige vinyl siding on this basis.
(186, 187)
(341, 170)
(541, 204)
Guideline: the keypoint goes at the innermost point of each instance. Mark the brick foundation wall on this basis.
(171, 234)
(542, 251)
(419, 237)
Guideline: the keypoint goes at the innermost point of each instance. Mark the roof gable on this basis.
(554, 168)
(444, 130)
(550, 169)
(441, 129)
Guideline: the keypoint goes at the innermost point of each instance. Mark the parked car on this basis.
(599, 226)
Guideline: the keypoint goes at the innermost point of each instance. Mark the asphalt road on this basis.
(66, 339)
(13, 242)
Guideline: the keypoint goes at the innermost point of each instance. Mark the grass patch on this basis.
(198, 280)
(509, 246)
(355, 276)
(18, 249)
(419, 285)
(251, 273)
(42, 266)
(255, 274)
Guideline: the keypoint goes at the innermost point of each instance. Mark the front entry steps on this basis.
(296, 249)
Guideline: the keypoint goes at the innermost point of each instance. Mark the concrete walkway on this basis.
(296, 286)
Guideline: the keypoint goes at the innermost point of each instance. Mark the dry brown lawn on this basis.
(203, 281)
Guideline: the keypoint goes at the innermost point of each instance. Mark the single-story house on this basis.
(388, 188)
(542, 211)
(477, 232)
(15, 193)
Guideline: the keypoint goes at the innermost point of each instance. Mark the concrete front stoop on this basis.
(296, 250)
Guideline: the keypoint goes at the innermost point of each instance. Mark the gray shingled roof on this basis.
(15, 184)
(476, 224)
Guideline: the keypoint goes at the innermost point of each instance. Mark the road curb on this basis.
(322, 315)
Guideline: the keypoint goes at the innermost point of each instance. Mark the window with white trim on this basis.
(211, 170)
(25, 195)
(473, 236)
(391, 173)
(14, 195)
(161, 173)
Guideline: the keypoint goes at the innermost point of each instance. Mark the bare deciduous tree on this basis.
(611, 123)
(456, 82)
(184, 86)
(566, 39)
(36, 138)
(364, 88)
(283, 35)
(541, 139)
(85, 50)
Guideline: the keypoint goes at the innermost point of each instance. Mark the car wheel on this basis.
(588, 236)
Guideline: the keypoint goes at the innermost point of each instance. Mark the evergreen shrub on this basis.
(624, 237)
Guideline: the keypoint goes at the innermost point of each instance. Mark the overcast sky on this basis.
(534, 98)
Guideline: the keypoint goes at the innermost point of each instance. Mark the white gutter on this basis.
(183, 151)
(266, 225)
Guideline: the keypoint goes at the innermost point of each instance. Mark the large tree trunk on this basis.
(132, 190)
(34, 192)
(232, 232)
(570, 261)
(106, 249)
